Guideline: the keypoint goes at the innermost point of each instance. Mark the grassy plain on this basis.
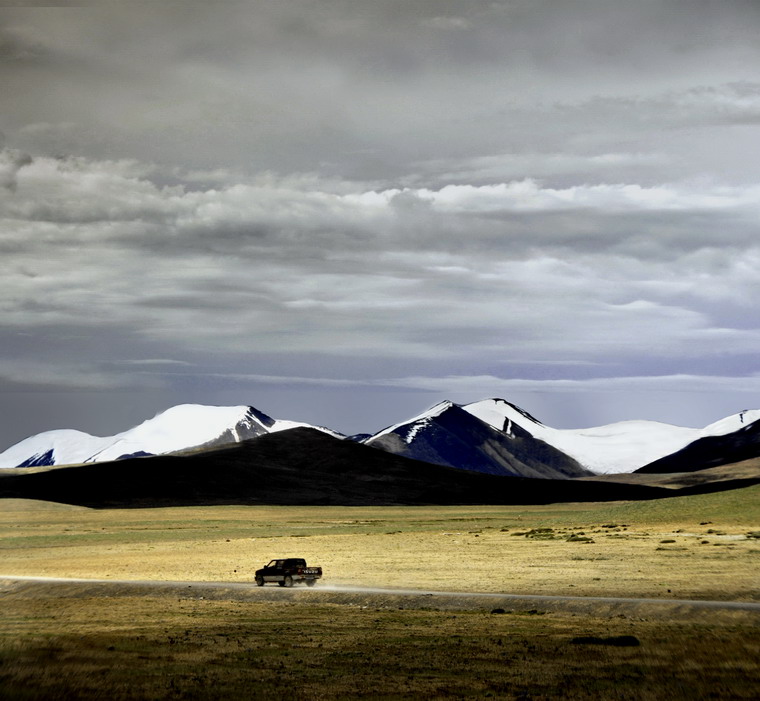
(188, 649)
(58, 647)
(685, 547)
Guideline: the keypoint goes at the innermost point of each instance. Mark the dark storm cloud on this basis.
(15, 47)
(365, 90)
(10, 163)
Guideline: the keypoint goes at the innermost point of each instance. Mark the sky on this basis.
(344, 211)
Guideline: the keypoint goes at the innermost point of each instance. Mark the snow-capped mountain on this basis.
(449, 435)
(615, 448)
(183, 427)
(491, 436)
(712, 450)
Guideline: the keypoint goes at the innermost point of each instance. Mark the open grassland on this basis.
(74, 642)
(703, 546)
(158, 648)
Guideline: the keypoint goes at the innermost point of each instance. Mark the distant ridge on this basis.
(296, 466)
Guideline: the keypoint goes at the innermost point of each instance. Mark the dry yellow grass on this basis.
(641, 550)
(55, 643)
(157, 648)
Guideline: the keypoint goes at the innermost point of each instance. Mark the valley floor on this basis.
(182, 646)
(700, 547)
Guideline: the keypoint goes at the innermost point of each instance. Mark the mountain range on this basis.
(304, 466)
(491, 436)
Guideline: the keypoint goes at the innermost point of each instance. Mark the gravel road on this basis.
(324, 593)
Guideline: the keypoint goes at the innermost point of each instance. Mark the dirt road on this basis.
(370, 597)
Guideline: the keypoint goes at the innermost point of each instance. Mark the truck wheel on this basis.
(311, 582)
(288, 582)
(259, 581)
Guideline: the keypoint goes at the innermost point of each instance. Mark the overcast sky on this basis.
(344, 211)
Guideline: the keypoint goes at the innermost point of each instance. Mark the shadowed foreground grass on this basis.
(158, 648)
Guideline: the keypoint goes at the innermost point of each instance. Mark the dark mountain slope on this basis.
(298, 466)
(711, 451)
(449, 435)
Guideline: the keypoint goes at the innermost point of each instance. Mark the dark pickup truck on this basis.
(287, 571)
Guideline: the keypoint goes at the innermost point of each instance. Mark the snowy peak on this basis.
(449, 435)
(43, 448)
(407, 430)
(613, 448)
(185, 426)
(735, 422)
(500, 414)
(618, 447)
(182, 427)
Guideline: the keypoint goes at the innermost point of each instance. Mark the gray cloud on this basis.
(10, 163)
(362, 91)
(529, 191)
(280, 259)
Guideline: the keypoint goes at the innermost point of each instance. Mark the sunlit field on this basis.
(113, 644)
(703, 547)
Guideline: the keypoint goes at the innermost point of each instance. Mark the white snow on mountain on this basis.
(620, 447)
(417, 423)
(40, 448)
(178, 428)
